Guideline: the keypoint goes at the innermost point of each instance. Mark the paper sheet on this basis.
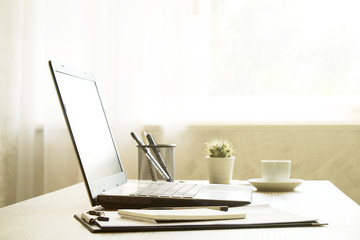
(262, 215)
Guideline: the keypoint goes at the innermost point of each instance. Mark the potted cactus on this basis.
(220, 161)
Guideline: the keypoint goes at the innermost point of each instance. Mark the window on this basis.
(277, 61)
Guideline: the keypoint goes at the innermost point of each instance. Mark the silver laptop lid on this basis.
(89, 129)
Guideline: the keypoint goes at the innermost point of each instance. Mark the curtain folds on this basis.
(134, 48)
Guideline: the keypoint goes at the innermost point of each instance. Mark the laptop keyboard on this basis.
(171, 190)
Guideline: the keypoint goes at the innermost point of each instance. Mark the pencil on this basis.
(219, 208)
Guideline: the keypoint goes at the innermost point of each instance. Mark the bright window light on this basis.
(277, 61)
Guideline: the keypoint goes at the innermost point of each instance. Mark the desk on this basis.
(51, 217)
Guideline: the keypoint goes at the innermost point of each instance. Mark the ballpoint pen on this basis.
(157, 153)
(151, 167)
(151, 158)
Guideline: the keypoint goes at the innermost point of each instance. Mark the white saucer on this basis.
(262, 185)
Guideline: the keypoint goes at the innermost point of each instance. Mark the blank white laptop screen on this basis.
(95, 147)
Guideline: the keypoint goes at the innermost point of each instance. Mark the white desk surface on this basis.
(51, 217)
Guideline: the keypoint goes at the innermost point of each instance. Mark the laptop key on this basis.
(172, 190)
(145, 191)
(161, 190)
(193, 191)
(153, 189)
(181, 192)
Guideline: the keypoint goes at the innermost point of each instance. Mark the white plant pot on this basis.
(220, 170)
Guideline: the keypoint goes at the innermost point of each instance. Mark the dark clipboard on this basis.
(94, 228)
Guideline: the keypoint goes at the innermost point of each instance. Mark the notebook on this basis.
(100, 163)
(180, 215)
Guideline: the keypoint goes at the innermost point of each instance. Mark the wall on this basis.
(317, 152)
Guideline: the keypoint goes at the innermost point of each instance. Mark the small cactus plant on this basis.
(219, 148)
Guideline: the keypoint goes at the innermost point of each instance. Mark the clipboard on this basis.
(261, 216)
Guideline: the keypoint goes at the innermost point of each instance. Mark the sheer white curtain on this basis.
(135, 50)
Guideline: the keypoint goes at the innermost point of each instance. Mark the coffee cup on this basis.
(276, 170)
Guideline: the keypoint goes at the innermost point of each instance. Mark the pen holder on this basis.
(146, 171)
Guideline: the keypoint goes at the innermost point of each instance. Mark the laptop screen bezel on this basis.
(98, 186)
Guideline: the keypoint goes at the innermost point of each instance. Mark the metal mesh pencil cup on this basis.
(146, 170)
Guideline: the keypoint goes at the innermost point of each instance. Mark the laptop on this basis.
(100, 163)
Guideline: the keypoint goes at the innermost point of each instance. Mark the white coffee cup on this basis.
(276, 170)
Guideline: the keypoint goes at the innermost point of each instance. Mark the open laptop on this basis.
(100, 163)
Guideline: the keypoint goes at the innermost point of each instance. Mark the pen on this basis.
(157, 153)
(219, 208)
(151, 167)
(151, 158)
(144, 138)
